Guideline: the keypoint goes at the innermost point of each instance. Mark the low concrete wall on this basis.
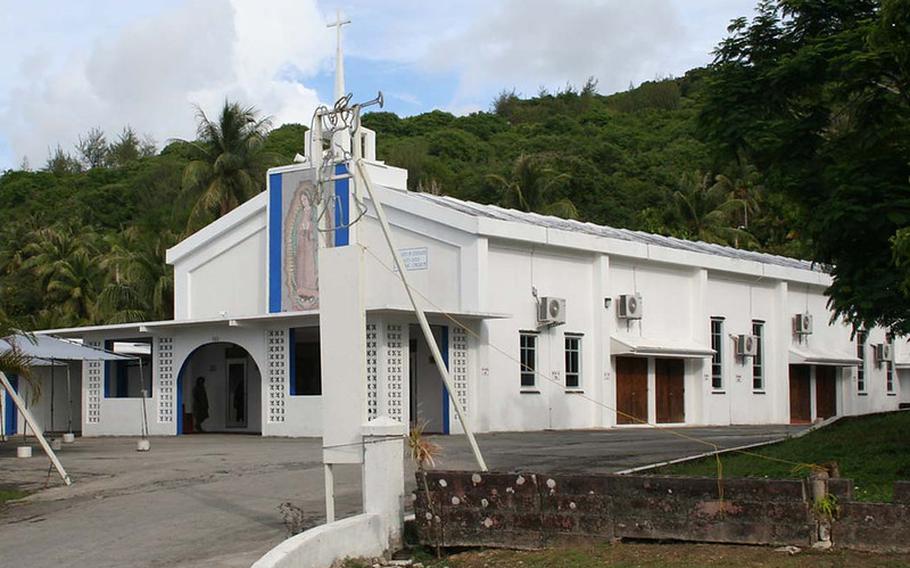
(533, 510)
(355, 537)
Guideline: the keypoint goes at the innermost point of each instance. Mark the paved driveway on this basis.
(212, 500)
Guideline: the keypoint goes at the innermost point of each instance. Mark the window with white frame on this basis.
(717, 360)
(861, 355)
(758, 362)
(573, 361)
(528, 358)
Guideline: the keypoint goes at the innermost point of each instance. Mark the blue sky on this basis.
(72, 66)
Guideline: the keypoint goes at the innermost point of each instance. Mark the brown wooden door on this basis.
(800, 405)
(631, 390)
(825, 392)
(670, 386)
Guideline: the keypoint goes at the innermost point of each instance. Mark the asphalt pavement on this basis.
(212, 500)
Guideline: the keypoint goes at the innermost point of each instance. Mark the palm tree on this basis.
(229, 163)
(140, 284)
(531, 187)
(744, 184)
(707, 210)
(64, 263)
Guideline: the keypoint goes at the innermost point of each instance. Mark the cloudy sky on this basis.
(70, 66)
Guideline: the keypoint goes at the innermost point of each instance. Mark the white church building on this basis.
(543, 323)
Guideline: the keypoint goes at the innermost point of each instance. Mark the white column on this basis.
(777, 381)
(342, 348)
(699, 387)
(601, 378)
(383, 475)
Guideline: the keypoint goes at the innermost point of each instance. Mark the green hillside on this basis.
(628, 160)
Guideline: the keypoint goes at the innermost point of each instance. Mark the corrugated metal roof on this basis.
(515, 216)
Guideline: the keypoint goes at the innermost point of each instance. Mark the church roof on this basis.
(550, 222)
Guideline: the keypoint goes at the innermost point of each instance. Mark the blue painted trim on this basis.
(275, 205)
(444, 349)
(342, 208)
(12, 413)
(179, 406)
(108, 346)
(292, 375)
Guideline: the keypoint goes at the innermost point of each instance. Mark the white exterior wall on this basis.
(512, 272)
(440, 281)
(740, 302)
(673, 305)
(225, 273)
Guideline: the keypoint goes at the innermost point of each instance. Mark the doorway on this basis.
(231, 382)
(236, 399)
(825, 391)
(428, 398)
(800, 395)
(631, 390)
(670, 387)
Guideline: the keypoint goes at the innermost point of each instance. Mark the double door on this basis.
(632, 393)
(801, 393)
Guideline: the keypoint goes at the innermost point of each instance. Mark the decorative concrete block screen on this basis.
(372, 370)
(94, 386)
(458, 365)
(167, 388)
(395, 345)
(277, 374)
(535, 510)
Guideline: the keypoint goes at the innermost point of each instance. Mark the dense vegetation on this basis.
(83, 239)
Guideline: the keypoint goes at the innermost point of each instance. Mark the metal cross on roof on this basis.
(339, 55)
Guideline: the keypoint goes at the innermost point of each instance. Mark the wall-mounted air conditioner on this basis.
(630, 306)
(802, 324)
(746, 345)
(882, 352)
(551, 311)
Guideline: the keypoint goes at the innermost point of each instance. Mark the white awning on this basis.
(805, 355)
(47, 348)
(648, 347)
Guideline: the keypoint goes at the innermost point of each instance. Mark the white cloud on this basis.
(154, 68)
(532, 43)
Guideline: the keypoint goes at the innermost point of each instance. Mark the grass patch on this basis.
(626, 555)
(873, 451)
(11, 495)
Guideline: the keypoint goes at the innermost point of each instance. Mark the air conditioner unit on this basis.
(630, 306)
(551, 311)
(746, 345)
(802, 324)
(883, 352)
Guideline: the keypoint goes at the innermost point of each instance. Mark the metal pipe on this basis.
(421, 316)
(30, 421)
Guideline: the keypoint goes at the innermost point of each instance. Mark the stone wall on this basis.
(455, 508)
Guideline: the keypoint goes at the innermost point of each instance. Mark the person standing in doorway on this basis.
(200, 404)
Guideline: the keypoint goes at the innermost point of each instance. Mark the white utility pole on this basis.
(30, 422)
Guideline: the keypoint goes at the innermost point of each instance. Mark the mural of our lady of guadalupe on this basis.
(301, 248)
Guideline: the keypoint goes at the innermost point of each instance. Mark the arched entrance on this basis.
(232, 384)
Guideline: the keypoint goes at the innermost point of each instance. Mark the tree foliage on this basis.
(816, 94)
(228, 161)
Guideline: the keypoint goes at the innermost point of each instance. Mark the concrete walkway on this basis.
(212, 500)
